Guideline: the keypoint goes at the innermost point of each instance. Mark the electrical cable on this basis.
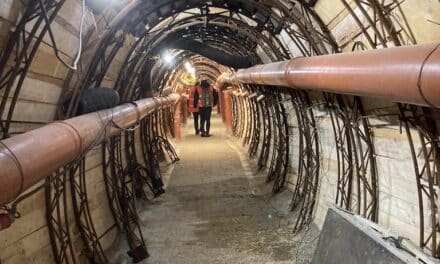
(52, 38)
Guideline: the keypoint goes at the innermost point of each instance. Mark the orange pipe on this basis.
(27, 158)
(223, 81)
(409, 74)
(227, 95)
(221, 104)
(220, 85)
(184, 107)
(177, 114)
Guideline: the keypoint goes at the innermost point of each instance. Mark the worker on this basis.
(193, 106)
(207, 98)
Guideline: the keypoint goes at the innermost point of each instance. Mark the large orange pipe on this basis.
(227, 98)
(177, 121)
(27, 158)
(409, 74)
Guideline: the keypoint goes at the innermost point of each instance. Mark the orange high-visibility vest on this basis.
(191, 107)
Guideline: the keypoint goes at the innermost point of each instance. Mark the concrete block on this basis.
(32, 111)
(422, 16)
(407, 230)
(46, 63)
(345, 28)
(36, 90)
(397, 168)
(71, 13)
(4, 33)
(106, 82)
(18, 128)
(9, 10)
(400, 209)
(24, 249)
(344, 231)
(94, 158)
(398, 187)
(330, 11)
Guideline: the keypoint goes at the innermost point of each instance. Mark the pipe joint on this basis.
(14, 171)
(138, 112)
(77, 135)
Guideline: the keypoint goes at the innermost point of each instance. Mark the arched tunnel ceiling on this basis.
(247, 29)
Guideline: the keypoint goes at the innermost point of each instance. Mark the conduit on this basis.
(409, 74)
(27, 158)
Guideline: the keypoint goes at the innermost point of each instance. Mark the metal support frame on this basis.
(426, 159)
(306, 187)
(357, 185)
(58, 218)
(16, 58)
(267, 134)
(256, 127)
(93, 249)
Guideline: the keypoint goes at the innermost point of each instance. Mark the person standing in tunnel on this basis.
(193, 106)
(207, 98)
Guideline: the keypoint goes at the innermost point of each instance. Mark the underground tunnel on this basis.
(323, 144)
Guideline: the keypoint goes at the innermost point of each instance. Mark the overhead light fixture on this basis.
(167, 57)
(189, 68)
(97, 6)
(260, 98)
(204, 9)
(252, 95)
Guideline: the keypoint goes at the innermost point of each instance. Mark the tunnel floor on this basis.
(215, 210)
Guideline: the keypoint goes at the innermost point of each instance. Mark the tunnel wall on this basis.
(43, 84)
(398, 199)
(28, 240)
(422, 16)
